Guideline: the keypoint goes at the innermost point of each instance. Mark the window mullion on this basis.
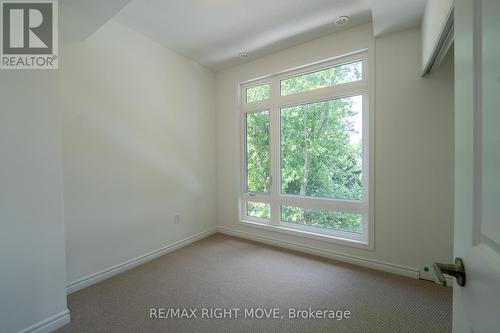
(275, 152)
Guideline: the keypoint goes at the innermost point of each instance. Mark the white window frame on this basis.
(273, 105)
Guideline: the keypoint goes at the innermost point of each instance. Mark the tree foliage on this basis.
(258, 93)
(258, 164)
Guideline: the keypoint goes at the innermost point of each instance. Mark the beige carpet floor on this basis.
(227, 272)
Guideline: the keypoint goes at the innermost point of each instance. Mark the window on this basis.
(321, 149)
(305, 142)
(258, 93)
(257, 152)
(258, 210)
(322, 219)
(322, 78)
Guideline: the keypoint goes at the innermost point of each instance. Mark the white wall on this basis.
(413, 146)
(139, 147)
(32, 274)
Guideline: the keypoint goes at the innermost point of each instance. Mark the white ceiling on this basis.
(215, 32)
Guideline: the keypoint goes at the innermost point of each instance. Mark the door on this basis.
(476, 306)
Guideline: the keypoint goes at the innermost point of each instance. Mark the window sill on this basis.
(362, 244)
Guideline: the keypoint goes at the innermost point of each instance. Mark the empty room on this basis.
(249, 166)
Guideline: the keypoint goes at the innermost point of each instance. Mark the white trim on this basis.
(370, 114)
(443, 42)
(50, 324)
(331, 236)
(369, 263)
(120, 268)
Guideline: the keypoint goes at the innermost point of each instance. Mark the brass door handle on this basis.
(457, 270)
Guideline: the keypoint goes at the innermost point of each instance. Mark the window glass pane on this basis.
(323, 219)
(321, 149)
(323, 78)
(258, 93)
(257, 152)
(258, 209)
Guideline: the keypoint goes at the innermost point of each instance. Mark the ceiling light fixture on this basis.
(341, 20)
(243, 55)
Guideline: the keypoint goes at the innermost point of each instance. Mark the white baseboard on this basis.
(50, 324)
(112, 271)
(369, 263)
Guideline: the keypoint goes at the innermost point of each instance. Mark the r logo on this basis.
(29, 34)
(27, 28)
